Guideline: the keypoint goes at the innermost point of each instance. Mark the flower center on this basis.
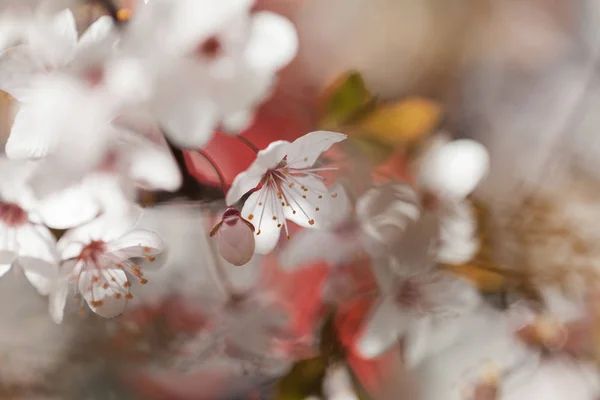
(210, 48)
(409, 294)
(12, 215)
(92, 252)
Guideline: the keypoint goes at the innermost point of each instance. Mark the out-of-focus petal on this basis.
(58, 300)
(137, 243)
(273, 42)
(18, 67)
(385, 325)
(454, 169)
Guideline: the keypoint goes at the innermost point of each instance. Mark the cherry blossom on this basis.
(26, 242)
(202, 63)
(417, 301)
(449, 171)
(290, 187)
(99, 258)
(416, 308)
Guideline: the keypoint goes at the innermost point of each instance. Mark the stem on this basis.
(215, 168)
(247, 143)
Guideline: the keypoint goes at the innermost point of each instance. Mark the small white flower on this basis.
(449, 171)
(413, 308)
(385, 211)
(99, 259)
(290, 188)
(417, 300)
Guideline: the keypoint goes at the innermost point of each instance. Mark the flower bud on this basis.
(235, 237)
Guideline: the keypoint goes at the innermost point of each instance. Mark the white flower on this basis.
(382, 216)
(99, 258)
(65, 113)
(55, 48)
(449, 171)
(20, 18)
(418, 301)
(290, 188)
(207, 63)
(385, 211)
(417, 308)
(24, 241)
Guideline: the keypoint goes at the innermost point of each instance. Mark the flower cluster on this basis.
(94, 116)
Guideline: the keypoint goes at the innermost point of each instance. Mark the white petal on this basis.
(244, 182)
(37, 242)
(41, 274)
(137, 243)
(69, 207)
(96, 32)
(305, 150)
(27, 139)
(151, 164)
(190, 121)
(57, 41)
(385, 325)
(274, 153)
(454, 169)
(58, 300)
(454, 297)
(235, 242)
(111, 305)
(273, 42)
(312, 211)
(266, 233)
(459, 241)
(18, 66)
(7, 258)
(313, 245)
(105, 228)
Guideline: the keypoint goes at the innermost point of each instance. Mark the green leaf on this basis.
(305, 379)
(346, 97)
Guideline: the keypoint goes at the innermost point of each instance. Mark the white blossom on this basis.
(290, 187)
(200, 63)
(99, 258)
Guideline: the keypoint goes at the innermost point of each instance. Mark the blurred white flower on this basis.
(99, 258)
(380, 218)
(449, 171)
(19, 19)
(55, 47)
(24, 241)
(235, 237)
(385, 211)
(416, 308)
(290, 188)
(207, 63)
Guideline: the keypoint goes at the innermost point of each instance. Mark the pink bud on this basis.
(235, 237)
